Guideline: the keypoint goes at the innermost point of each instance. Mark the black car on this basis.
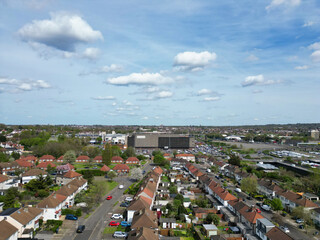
(81, 228)
(301, 226)
(124, 204)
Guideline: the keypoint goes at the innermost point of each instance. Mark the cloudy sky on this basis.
(171, 62)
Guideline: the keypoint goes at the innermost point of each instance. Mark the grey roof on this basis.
(8, 211)
(266, 222)
(210, 226)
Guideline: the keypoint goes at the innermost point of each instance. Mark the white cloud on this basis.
(258, 80)
(145, 118)
(315, 56)
(127, 103)
(314, 46)
(304, 67)
(211, 99)
(308, 24)
(204, 91)
(104, 98)
(194, 61)
(252, 58)
(164, 94)
(256, 91)
(25, 85)
(286, 3)
(91, 53)
(140, 79)
(63, 31)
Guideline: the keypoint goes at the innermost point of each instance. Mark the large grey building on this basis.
(155, 140)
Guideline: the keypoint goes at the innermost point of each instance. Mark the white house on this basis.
(8, 231)
(6, 183)
(32, 174)
(52, 206)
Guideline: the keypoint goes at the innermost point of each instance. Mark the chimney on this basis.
(26, 210)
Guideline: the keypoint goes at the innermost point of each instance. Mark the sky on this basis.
(170, 62)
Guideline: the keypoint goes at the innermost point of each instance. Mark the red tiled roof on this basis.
(121, 167)
(98, 158)
(3, 178)
(132, 160)
(45, 165)
(23, 163)
(185, 155)
(29, 158)
(250, 214)
(105, 168)
(72, 174)
(117, 158)
(158, 170)
(44, 157)
(83, 157)
(61, 158)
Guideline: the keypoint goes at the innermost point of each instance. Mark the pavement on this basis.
(98, 219)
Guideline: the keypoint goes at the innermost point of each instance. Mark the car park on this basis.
(116, 216)
(125, 224)
(119, 234)
(114, 224)
(128, 199)
(81, 228)
(71, 217)
(109, 197)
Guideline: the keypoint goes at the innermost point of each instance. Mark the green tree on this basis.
(15, 155)
(91, 151)
(141, 157)
(111, 175)
(130, 152)
(116, 151)
(99, 140)
(209, 218)
(69, 156)
(173, 189)
(298, 212)
(157, 152)
(249, 185)
(276, 204)
(234, 160)
(107, 154)
(160, 160)
(3, 138)
(216, 219)
(4, 157)
(10, 198)
(89, 176)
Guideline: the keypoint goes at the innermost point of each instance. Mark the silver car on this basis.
(119, 234)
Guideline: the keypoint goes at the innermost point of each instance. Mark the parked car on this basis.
(301, 226)
(118, 234)
(124, 204)
(81, 228)
(114, 224)
(258, 210)
(299, 220)
(238, 190)
(109, 197)
(121, 186)
(285, 229)
(71, 217)
(266, 207)
(116, 216)
(125, 224)
(249, 198)
(129, 199)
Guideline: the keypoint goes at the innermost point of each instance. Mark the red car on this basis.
(109, 197)
(114, 223)
(258, 210)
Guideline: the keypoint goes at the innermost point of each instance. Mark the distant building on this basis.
(315, 134)
(157, 140)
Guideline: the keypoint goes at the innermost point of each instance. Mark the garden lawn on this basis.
(81, 165)
(106, 185)
(165, 179)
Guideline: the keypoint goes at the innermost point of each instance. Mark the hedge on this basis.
(94, 172)
(77, 212)
(52, 225)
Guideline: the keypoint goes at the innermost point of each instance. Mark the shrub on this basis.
(67, 211)
(52, 225)
(94, 172)
(78, 212)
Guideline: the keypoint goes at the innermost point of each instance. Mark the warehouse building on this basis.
(157, 140)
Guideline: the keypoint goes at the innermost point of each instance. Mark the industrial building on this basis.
(157, 140)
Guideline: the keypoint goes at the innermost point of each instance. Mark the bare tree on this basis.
(136, 174)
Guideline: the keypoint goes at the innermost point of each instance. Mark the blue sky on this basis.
(159, 62)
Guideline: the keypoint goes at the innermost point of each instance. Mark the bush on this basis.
(42, 193)
(67, 211)
(52, 225)
(94, 172)
(78, 212)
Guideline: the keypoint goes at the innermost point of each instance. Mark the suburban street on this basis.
(99, 219)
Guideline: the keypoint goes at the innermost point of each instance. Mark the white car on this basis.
(237, 190)
(116, 216)
(121, 186)
(285, 229)
(129, 199)
(119, 234)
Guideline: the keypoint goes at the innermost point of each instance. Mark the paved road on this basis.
(101, 216)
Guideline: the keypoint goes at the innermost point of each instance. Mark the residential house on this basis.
(315, 216)
(60, 159)
(82, 159)
(47, 158)
(221, 194)
(44, 165)
(188, 157)
(80, 183)
(121, 168)
(202, 213)
(52, 206)
(167, 156)
(239, 175)
(268, 188)
(137, 205)
(168, 223)
(65, 178)
(249, 216)
(8, 231)
(276, 234)
(186, 202)
(263, 226)
(144, 218)
(132, 160)
(105, 168)
(26, 220)
(61, 169)
(143, 233)
(7, 168)
(30, 158)
(69, 191)
(291, 200)
(116, 159)
(23, 164)
(6, 183)
(97, 159)
(32, 174)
